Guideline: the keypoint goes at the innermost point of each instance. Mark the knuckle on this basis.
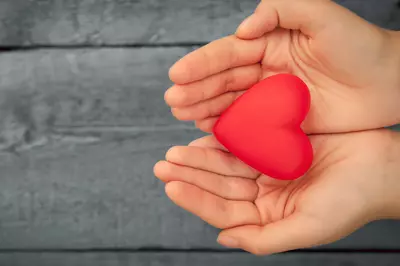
(232, 186)
(229, 81)
(212, 108)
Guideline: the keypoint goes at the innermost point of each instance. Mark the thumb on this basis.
(308, 16)
(294, 232)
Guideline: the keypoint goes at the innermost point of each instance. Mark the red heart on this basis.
(262, 127)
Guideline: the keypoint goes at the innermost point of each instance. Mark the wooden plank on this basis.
(82, 192)
(197, 259)
(42, 89)
(66, 22)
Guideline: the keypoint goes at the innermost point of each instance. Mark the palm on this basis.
(352, 88)
(216, 186)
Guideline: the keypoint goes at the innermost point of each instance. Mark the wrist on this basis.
(390, 180)
(395, 44)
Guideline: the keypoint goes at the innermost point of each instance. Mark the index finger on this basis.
(215, 57)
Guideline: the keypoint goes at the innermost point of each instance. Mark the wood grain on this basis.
(46, 90)
(198, 259)
(103, 22)
(83, 192)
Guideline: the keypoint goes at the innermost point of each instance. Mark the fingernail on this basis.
(166, 93)
(228, 241)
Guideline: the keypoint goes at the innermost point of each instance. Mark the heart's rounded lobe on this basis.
(262, 127)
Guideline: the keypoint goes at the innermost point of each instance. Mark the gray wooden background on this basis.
(82, 121)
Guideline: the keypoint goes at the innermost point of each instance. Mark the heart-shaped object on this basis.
(262, 127)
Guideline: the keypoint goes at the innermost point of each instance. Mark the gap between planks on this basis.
(5, 48)
(197, 250)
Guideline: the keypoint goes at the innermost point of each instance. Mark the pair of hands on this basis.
(353, 71)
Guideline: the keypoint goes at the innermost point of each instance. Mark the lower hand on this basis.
(354, 180)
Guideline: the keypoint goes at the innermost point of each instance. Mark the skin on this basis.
(354, 180)
(350, 66)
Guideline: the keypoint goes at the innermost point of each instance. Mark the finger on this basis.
(234, 79)
(208, 142)
(263, 20)
(216, 211)
(208, 108)
(294, 232)
(215, 57)
(308, 16)
(207, 124)
(211, 160)
(232, 188)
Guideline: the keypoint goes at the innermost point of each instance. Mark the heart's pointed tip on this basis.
(298, 170)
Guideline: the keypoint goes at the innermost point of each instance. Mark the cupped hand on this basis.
(350, 184)
(351, 66)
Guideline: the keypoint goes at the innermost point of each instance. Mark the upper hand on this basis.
(351, 66)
